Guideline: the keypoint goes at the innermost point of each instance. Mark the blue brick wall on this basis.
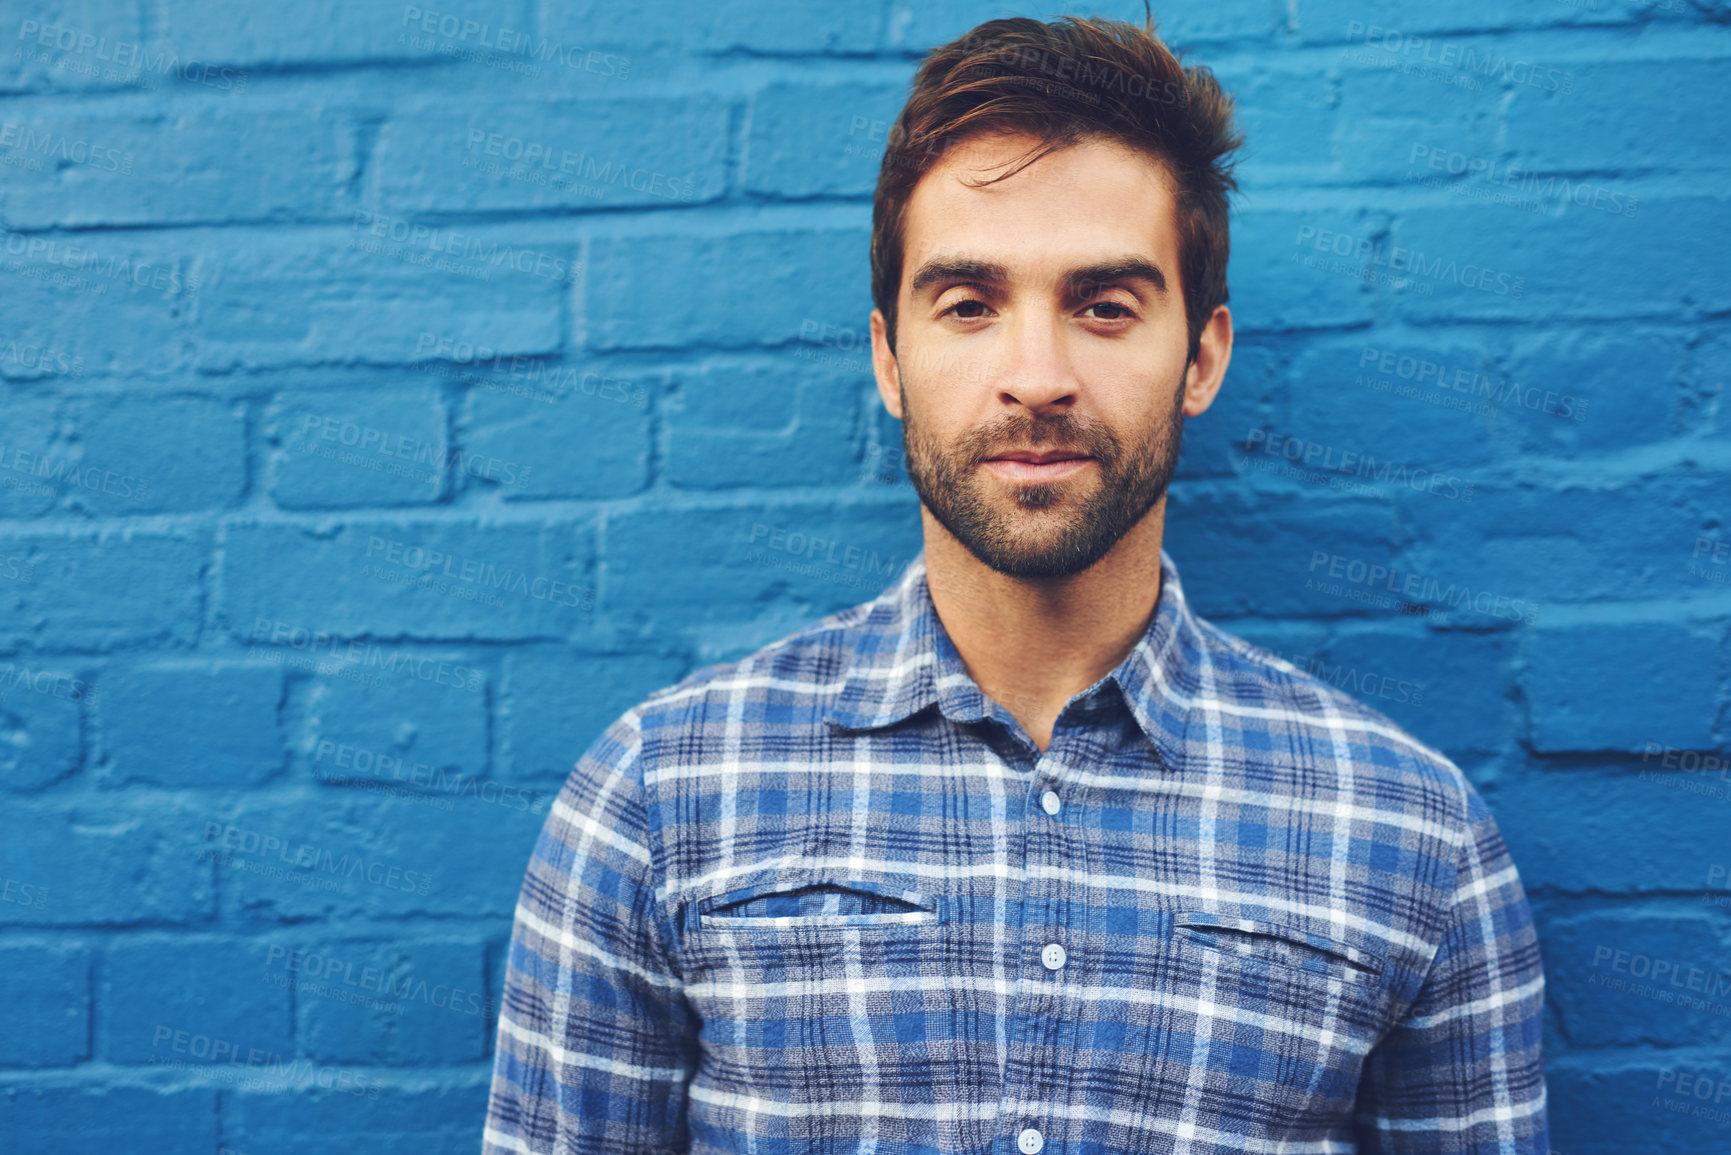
(317, 318)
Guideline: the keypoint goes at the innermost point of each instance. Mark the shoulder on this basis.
(1334, 738)
(788, 683)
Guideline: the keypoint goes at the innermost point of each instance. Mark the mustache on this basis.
(1062, 432)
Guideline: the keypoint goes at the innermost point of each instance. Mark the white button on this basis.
(1052, 956)
(1030, 1141)
(1049, 802)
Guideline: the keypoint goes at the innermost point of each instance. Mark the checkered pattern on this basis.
(808, 902)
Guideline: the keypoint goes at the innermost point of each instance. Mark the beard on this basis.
(1042, 529)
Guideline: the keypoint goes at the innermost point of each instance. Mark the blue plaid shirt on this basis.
(832, 898)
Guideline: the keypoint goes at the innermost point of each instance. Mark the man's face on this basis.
(1040, 364)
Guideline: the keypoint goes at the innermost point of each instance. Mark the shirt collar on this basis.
(903, 661)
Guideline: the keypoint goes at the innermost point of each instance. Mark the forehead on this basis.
(1091, 200)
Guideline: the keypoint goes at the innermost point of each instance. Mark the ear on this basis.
(1213, 353)
(884, 366)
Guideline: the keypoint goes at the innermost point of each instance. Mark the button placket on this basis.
(1045, 1021)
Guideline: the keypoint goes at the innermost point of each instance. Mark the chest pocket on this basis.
(1282, 946)
(816, 906)
(817, 991)
(1266, 1024)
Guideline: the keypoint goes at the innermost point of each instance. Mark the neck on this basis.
(1032, 643)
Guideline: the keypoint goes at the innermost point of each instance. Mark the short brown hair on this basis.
(1065, 82)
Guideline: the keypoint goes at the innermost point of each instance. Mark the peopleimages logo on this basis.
(374, 764)
(1468, 59)
(1376, 256)
(1316, 455)
(132, 62)
(473, 571)
(1422, 371)
(1415, 588)
(314, 967)
(1521, 181)
(238, 840)
(380, 443)
(22, 139)
(429, 240)
(467, 39)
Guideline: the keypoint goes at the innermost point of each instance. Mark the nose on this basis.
(1038, 372)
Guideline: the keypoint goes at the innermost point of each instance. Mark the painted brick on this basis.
(228, 709)
(1333, 21)
(807, 141)
(708, 303)
(1596, 1102)
(523, 449)
(40, 55)
(370, 292)
(27, 468)
(320, 33)
(113, 865)
(1584, 540)
(110, 303)
(782, 26)
(41, 721)
(406, 579)
(556, 703)
(920, 27)
(1289, 118)
(695, 26)
(417, 1002)
(381, 448)
(95, 1116)
(1706, 378)
(122, 456)
(134, 455)
(49, 1024)
(731, 562)
(1558, 823)
(1242, 556)
(1595, 368)
(768, 423)
(1414, 402)
(147, 588)
(583, 154)
(1557, 269)
(1628, 979)
(404, 1119)
(232, 163)
(1621, 687)
(1449, 689)
(401, 733)
(1629, 115)
(355, 855)
(1252, 395)
(1272, 285)
(153, 987)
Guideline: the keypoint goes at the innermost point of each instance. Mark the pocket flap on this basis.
(795, 903)
(1285, 944)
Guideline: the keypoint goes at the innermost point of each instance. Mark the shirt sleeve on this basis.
(596, 1042)
(1462, 1071)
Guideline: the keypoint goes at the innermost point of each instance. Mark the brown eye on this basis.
(969, 310)
(1120, 313)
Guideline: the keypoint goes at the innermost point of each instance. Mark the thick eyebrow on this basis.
(1076, 281)
(976, 272)
(1115, 272)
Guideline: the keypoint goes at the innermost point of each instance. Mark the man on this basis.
(1024, 856)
